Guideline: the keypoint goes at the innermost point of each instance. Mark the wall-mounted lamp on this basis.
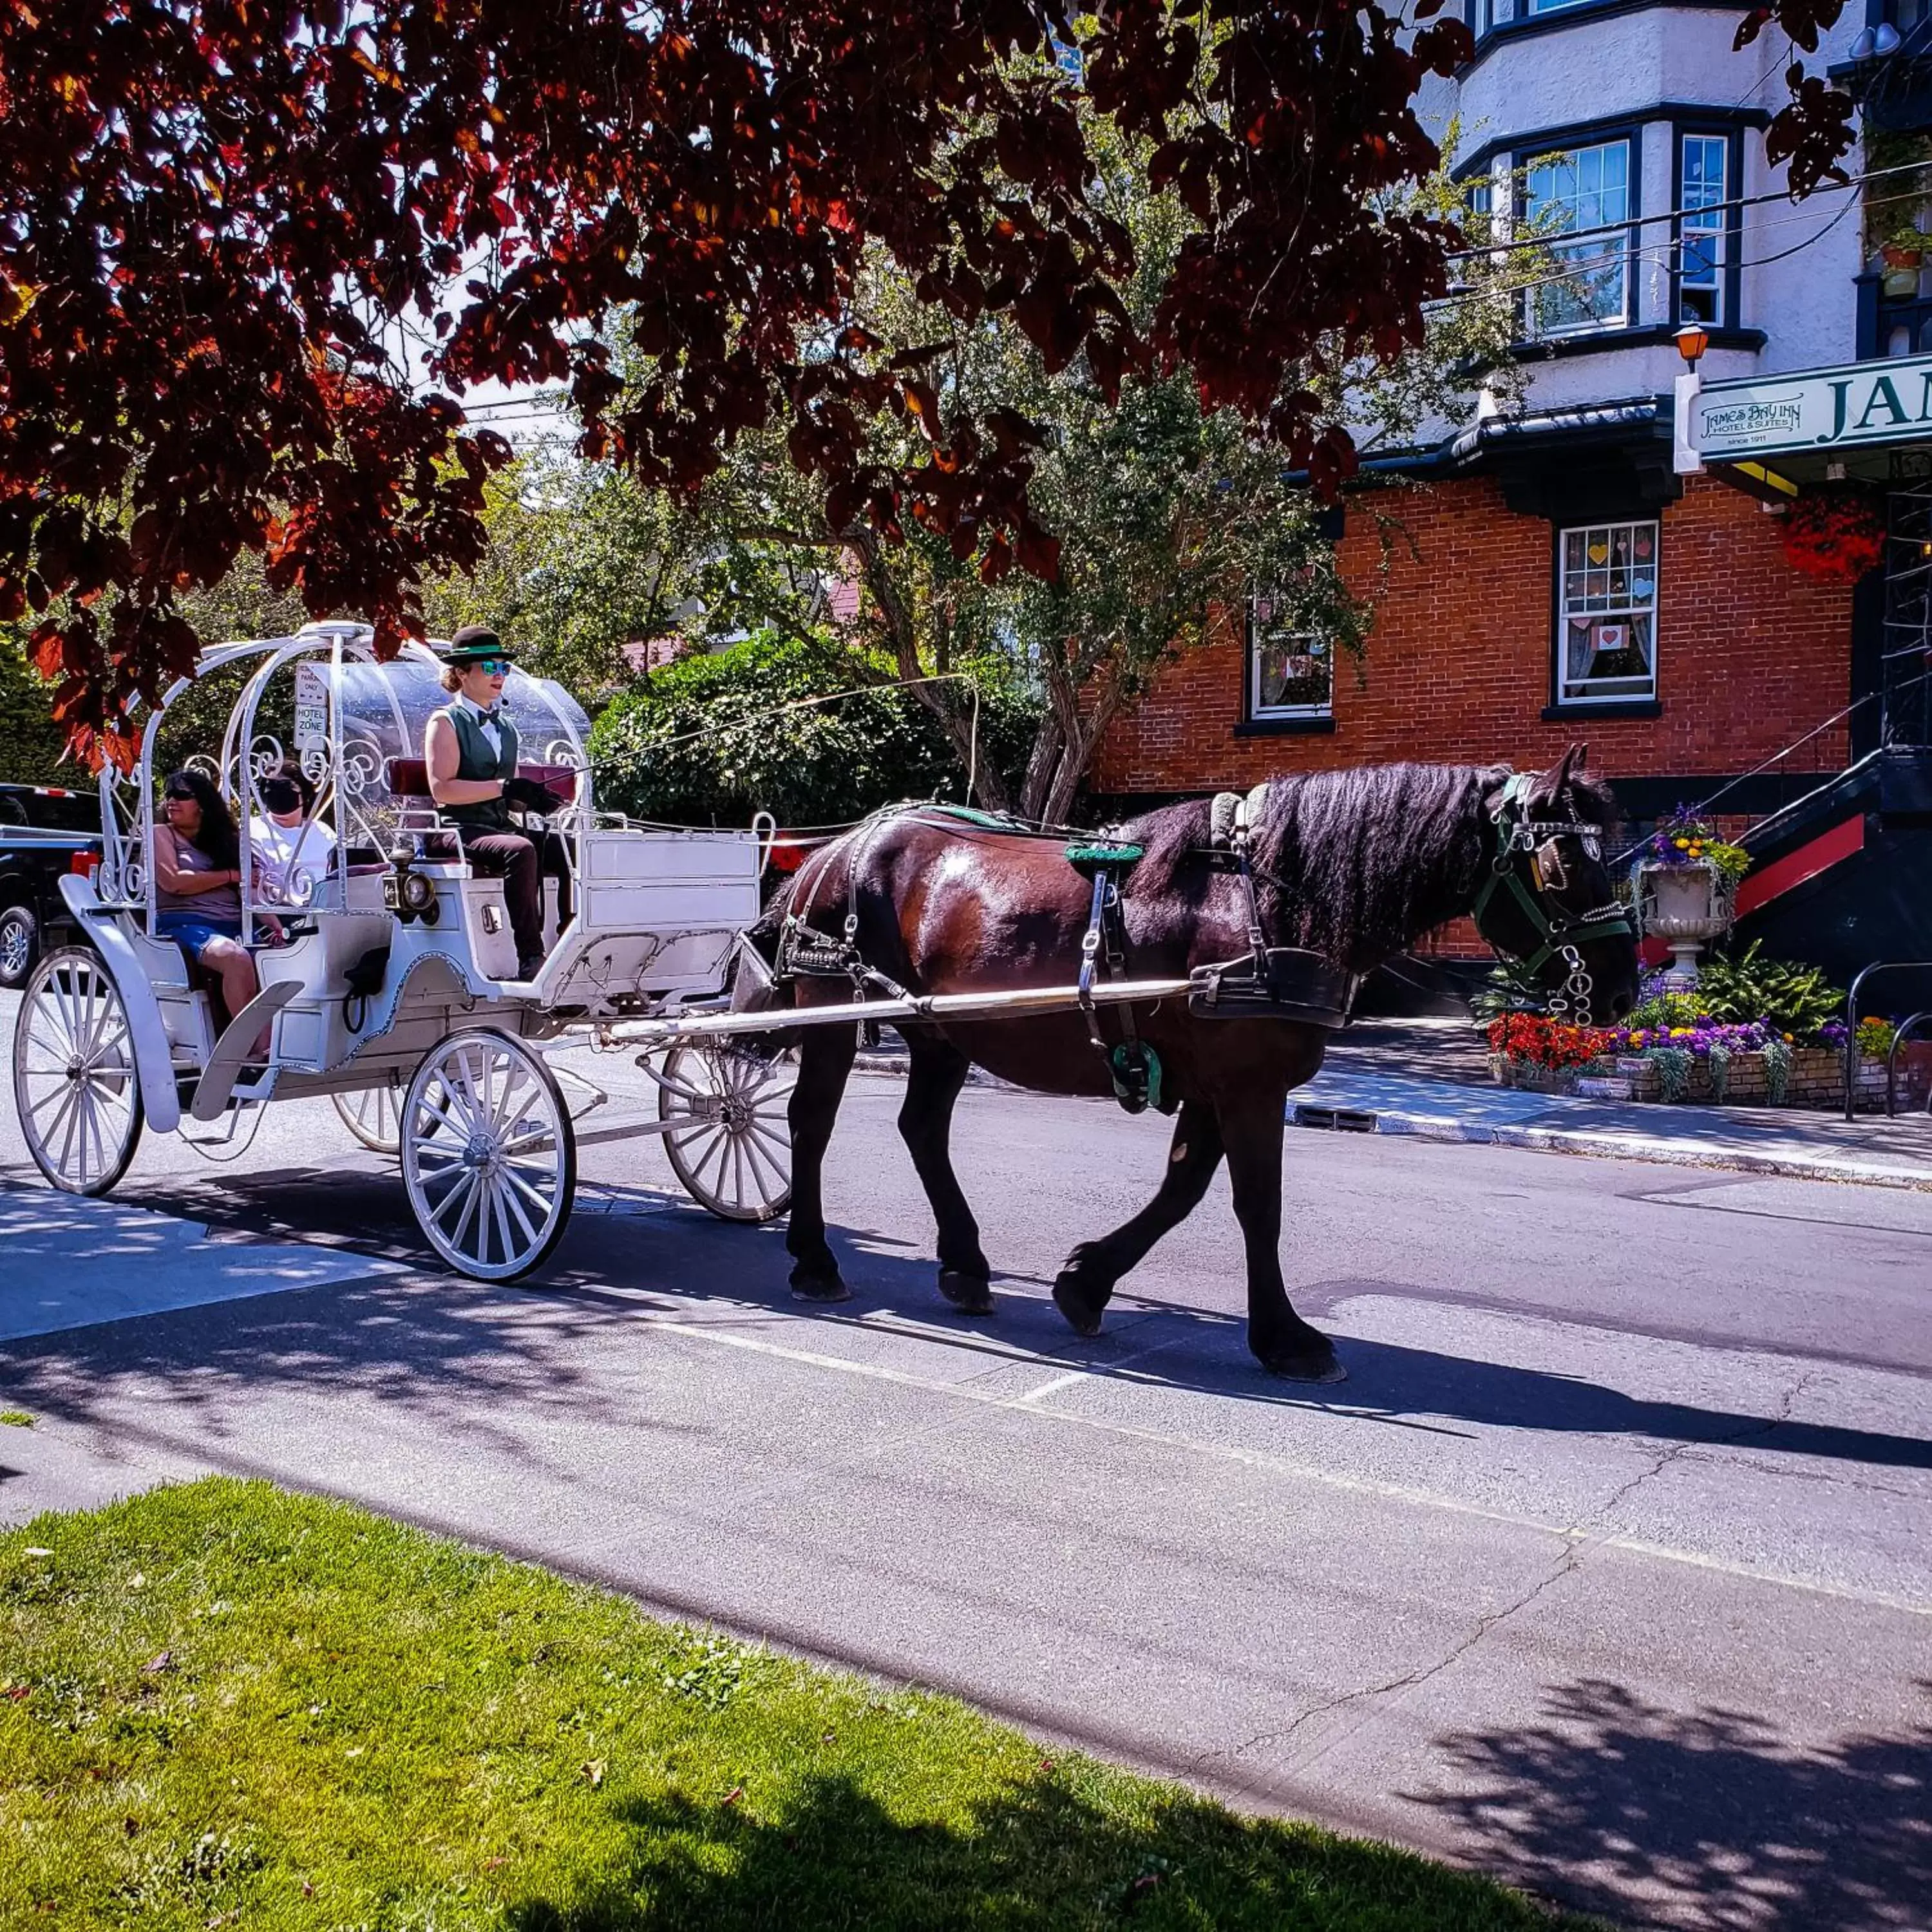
(1692, 340)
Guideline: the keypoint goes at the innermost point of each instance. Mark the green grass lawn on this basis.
(223, 1705)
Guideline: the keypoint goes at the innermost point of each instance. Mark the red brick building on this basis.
(1465, 662)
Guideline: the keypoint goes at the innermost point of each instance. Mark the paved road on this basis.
(1610, 1569)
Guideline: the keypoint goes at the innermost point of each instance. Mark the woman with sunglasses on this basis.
(198, 885)
(469, 750)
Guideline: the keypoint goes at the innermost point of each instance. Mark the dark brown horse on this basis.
(1352, 865)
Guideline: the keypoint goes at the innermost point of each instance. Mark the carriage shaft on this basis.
(1007, 1004)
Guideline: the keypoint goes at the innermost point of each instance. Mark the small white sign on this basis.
(311, 709)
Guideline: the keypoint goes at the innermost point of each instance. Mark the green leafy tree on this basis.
(1162, 511)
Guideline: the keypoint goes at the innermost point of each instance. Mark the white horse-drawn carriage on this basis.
(387, 968)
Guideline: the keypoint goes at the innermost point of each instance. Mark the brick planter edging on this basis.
(1816, 1079)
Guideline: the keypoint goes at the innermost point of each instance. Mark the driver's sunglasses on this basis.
(493, 667)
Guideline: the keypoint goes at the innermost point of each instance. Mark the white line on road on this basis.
(1584, 1539)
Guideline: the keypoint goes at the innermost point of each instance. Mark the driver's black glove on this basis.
(526, 795)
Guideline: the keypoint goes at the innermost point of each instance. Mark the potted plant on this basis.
(1685, 885)
(1902, 252)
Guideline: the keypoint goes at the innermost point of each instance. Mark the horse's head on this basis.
(1546, 901)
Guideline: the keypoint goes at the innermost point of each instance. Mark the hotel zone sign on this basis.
(1814, 409)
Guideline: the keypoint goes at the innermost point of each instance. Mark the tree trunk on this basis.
(956, 718)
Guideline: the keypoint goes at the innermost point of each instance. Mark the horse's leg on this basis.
(1252, 1125)
(824, 1060)
(937, 1073)
(1085, 1284)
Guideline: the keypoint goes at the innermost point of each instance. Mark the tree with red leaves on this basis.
(221, 220)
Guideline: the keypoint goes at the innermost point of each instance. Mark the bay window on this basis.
(1585, 191)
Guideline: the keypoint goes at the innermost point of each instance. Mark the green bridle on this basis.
(1562, 934)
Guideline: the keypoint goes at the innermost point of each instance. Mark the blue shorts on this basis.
(192, 931)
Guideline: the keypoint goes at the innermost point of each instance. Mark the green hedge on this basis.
(709, 740)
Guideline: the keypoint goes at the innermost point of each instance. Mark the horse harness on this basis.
(1562, 934)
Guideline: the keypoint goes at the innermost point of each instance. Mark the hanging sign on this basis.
(311, 709)
(1863, 402)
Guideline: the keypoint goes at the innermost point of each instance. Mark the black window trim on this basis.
(1593, 134)
(1732, 285)
(1558, 707)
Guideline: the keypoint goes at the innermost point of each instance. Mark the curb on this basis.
(1610, 1145)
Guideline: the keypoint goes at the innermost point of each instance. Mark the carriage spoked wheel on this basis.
(75, 1085)
(731, 1142)
(374, 1116)
(489, 1155)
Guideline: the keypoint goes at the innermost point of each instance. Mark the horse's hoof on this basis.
(970, 1294)
(818, 1287)
(1082, 1317)
(1306, 1368)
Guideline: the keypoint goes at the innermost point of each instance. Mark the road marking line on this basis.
(1580, 1535)
(1059, 1382)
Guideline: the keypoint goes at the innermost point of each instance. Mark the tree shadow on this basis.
(1611, 1799)
(828, 1853)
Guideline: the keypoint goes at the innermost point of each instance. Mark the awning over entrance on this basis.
(1870, 422)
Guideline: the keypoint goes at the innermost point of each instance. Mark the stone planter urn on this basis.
(1684, 906)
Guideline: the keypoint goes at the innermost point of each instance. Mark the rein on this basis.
(1561, 933)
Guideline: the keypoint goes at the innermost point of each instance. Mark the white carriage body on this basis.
(656, 914)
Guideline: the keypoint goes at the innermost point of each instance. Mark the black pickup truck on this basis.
(45, 833)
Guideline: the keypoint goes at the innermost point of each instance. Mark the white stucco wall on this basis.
(1624, 66)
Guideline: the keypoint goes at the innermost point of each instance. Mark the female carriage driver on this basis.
(469, 748)
(198, 885)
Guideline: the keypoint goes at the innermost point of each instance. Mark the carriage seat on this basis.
(409, 777)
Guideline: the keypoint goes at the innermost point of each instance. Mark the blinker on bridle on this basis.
(1561, 933)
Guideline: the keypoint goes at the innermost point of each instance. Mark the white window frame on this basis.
(1490, 13)
(1319, 647)
(1601, 597)
(1707, 222)
(1602, 254)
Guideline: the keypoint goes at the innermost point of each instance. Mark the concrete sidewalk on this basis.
(1792, 1140)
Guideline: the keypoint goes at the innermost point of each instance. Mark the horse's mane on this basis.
(1361, 863)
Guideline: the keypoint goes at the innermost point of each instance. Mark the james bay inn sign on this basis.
(1808, 413)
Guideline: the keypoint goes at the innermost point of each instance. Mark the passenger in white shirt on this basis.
(293, 850)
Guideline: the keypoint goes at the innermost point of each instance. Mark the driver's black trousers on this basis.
(523, 862)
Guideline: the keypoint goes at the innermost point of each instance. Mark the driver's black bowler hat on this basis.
(471, 643)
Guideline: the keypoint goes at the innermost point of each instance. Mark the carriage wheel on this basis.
(732, 1146)
(75, 1086)
(374, 1116)
(489, 1155)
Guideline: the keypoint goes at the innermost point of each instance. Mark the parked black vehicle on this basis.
(45, 833)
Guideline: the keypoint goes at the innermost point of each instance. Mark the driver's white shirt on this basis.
(487, 726)
(291, 858)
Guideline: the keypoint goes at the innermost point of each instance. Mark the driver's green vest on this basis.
(475, 760)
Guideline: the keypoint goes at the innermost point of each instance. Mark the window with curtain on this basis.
(1606, 613)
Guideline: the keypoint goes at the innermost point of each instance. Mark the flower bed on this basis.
(1709, 1061)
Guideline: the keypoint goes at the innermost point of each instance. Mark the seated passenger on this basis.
(469, 750)
(198, 885)
(293, 850)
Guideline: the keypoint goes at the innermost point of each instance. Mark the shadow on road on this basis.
(463, 1351)
(1609, 1798)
